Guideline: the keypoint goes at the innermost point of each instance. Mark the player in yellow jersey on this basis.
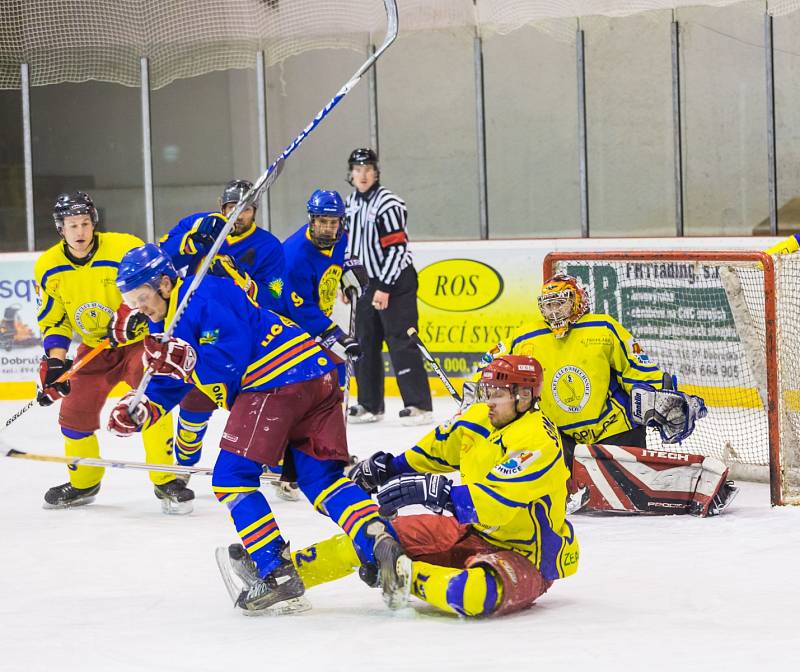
(786, 246)
(507, 539)
(75, 281)
(600, 387)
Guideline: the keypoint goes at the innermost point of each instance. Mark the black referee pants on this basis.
(375, 326)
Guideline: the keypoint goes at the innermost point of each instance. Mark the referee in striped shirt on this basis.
(377, 235)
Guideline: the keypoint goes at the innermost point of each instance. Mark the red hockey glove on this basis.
(175, 358)
(126, 325)
(122, 422)
(50, 370)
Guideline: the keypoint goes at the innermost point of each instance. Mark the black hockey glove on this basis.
(50, 370)
(373, 472)
(348, 345)
(430, 490)
(208, 231)
(354, 277)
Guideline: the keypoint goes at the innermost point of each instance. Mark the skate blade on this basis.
(224, 565)
(287, 494)
(398, 598)
(173, 508)
(68, 505)
(294, 606)
(577, 500)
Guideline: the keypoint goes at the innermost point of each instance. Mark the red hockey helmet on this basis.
(514, 372)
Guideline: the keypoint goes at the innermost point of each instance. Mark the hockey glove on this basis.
(430, 490)
(176, 358)
(206, 231)
(354, 277)
(126, 325)
(50, 370)
(348, 345)
(673, 413)
(225, 266)
(373, 472)
(123, 422)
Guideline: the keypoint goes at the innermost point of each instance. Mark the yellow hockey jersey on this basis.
(588, 374)
(513, 484)
(786, 246)
(80, 299)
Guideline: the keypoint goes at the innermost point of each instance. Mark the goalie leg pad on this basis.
(625, 479)
(522, 584)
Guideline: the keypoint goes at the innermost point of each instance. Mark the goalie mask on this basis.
(562, 302)
(520, 375)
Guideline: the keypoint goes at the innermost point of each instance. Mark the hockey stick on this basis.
(8, 451)
(76, 366)
(416, 340)
(267, 179)
(350, 292)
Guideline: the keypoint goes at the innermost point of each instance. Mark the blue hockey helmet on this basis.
(325, 204)
(144, 266)
(76, 203)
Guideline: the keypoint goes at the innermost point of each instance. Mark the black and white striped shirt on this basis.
(377, 234)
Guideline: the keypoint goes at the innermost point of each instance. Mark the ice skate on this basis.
(411, 415)
(288, 491)
(577, 500)
(280, 592)
(722, 500)
(176, 498)
(66, 496)
(358, 415)
(394, 566)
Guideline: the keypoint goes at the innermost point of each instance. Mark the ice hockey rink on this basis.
(119, 586)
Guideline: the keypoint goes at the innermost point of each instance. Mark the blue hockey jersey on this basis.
(240, 347)
(313, 276)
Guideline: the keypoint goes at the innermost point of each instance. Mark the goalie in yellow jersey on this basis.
(602, 391)
(77, 295)
(507, 539)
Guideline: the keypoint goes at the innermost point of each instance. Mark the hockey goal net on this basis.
(728, 325)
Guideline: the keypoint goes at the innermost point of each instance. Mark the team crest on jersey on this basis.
(275, 287)
(209, 337)
(571, 388)
(328, 284)
(92, 317)
(638, 352)
(516, 463)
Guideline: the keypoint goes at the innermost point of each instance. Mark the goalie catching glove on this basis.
(430, 490)
(175, 358)
(123, 422)
(673, 413)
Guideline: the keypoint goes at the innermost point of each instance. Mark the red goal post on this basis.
(723, 322)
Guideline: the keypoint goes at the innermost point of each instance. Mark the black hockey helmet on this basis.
(234, 191)
(363, 156)
(76, 203)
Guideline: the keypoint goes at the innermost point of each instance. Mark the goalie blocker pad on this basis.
(625, 479)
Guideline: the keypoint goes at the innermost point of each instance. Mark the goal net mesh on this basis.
(79, 40)
(705, 322)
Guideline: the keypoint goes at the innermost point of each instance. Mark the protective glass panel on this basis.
(88, 137)
(531, 132)
(13, 235)
(724, 119)
(629, 125)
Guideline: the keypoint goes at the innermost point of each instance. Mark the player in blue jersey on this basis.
(253, 257)
(285, 404)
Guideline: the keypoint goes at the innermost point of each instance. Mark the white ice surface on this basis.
(117, 586)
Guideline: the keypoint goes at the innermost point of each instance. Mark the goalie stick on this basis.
(76, 366)
(266, 180)
(416, 340)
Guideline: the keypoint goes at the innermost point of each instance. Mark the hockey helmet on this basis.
(76, 203)
(512, 372)
(363, 156)
(324, 203)
(562, 302)
(234, 192)
(144, 266)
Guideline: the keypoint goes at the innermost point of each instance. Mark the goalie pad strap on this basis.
(626, 479)
(522, 583)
